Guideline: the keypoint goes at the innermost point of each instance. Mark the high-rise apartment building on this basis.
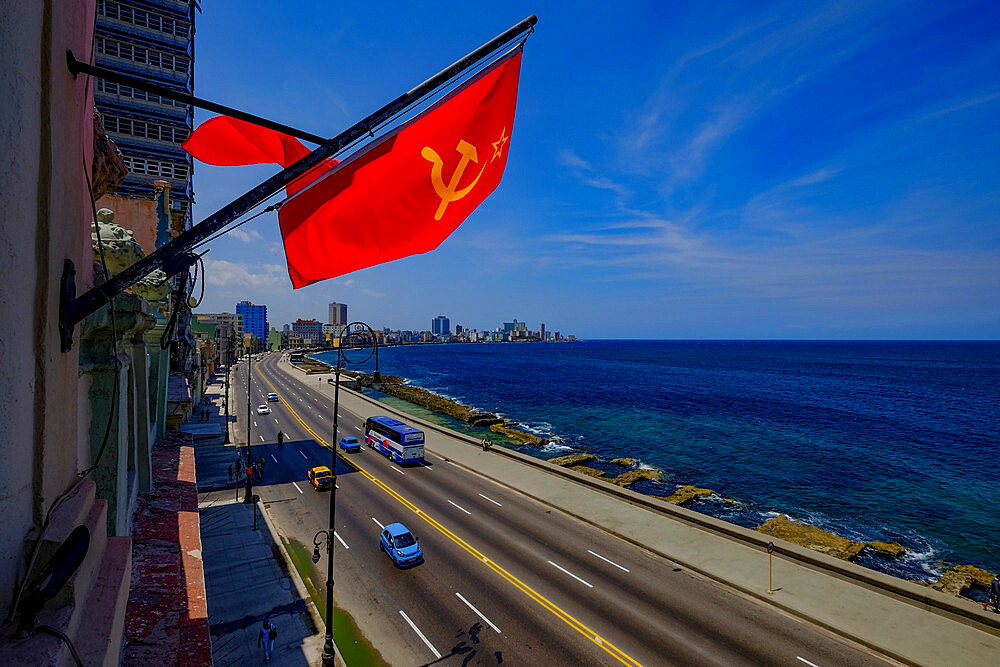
(231, 320)
(254, 319)
(440, 326)
(152, 40)
(310, 331)
(338, 313)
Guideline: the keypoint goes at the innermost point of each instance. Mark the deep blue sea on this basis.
(894, 441)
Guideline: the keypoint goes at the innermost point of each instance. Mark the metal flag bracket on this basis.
(176, 255)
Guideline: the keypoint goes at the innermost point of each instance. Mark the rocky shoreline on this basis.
(956, 581)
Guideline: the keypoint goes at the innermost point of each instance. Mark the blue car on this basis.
(350, 444)
(401, 545)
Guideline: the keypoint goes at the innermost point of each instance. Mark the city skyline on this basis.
(261, 310)
(773, 170)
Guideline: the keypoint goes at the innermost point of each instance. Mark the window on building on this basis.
(140, 54)
(141, 128)
(112, 88)
(142, 18)
(145, 166)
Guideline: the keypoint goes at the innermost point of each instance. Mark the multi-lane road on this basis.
(505, 579)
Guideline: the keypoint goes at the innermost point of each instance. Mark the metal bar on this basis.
(77, 66)
(91, 301)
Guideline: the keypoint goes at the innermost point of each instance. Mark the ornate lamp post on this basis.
(248, 496)
(229, 362)
(355, 349)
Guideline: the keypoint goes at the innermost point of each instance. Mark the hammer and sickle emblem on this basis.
(449, 193)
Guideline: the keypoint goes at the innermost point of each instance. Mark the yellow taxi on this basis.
(320, 477)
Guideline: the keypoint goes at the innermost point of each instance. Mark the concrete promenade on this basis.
(247, 574)
(899, 619)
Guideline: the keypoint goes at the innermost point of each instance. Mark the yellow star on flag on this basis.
(498, 144)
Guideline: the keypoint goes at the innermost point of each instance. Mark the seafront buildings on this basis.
(338, 313)
(254, 319)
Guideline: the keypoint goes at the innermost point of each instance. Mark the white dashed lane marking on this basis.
(499, 505)
(478, 613)
(341, 540)
(571, 574)
(608, 561)
(296, 487)
(462, 508)
(420, 634)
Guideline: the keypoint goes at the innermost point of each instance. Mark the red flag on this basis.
(225, 141)
(404, 193)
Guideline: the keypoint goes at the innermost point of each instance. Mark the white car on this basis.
(263, 410)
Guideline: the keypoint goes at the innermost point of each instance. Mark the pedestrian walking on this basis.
(995, 593)
(268, 633)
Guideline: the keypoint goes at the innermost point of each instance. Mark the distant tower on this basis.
(254, 319)
(541, 331)
(338, 313)
(440, 326)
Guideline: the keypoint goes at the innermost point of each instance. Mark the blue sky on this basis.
(702, 170)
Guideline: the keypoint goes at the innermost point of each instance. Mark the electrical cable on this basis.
(219, 233)
(114, 333)
(61, 635)
(204, 277)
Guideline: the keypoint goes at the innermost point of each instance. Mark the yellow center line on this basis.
(620, 655)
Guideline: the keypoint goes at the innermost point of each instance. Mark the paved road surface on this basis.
(505, 579)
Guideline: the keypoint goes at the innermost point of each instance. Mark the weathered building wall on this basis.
(139, 215)
(47, 143)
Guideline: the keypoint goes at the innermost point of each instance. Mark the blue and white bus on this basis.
(399, 442)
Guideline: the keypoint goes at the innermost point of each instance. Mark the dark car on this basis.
(350, 444)
(401, 545)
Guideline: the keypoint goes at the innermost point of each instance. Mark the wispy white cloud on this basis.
(812, 178)
(587, 174)
(963, 105)
(568, 158)
(263, 277)
(246, 235)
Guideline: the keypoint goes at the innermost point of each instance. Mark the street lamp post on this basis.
(351, 341)
(248, 495)
(229, 363)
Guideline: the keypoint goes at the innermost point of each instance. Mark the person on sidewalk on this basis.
(995, 593)
(267, 635)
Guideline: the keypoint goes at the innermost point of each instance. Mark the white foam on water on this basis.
(543, 429)
(554, 447)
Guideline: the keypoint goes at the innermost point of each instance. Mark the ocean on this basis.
(891, 441)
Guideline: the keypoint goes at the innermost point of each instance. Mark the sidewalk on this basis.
(247, 575)
(911, 625)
